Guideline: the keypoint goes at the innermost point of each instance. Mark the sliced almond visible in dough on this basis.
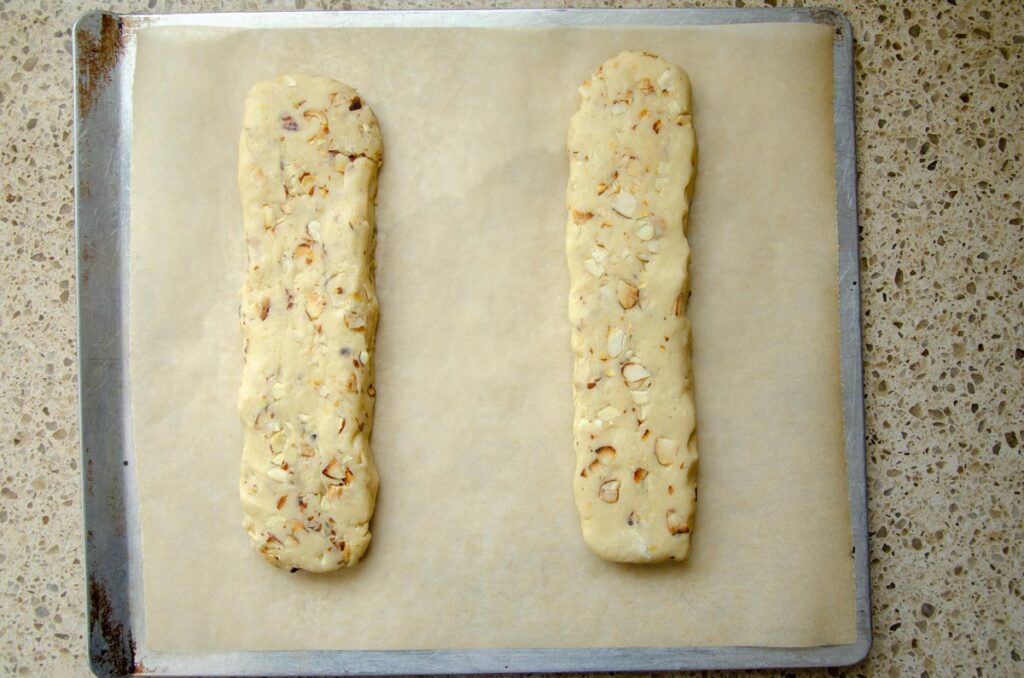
(628, 295)
(605, 454)
(634, 373)
(676, 523)
(666, 450)
(616, 342)
(609, 492)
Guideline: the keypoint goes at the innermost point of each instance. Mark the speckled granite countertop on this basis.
(940, 148)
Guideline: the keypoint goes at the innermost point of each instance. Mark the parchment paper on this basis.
(475, 541)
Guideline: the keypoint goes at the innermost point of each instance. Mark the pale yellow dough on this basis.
(632, 162)
(308, 161)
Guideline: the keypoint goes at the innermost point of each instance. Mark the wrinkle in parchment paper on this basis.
(475, 541)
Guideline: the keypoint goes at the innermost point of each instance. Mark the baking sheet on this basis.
(475, 539)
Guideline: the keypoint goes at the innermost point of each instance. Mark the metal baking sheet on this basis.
(104, 54)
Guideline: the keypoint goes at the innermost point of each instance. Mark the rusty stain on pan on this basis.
(97, 59)
(830, 17)
(118, 651)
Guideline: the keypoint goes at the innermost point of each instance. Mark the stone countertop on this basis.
(940, 141)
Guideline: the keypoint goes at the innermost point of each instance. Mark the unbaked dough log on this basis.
(632, 163)
(309, 155)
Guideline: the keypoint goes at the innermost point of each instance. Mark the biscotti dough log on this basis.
(632, 163)
(309, 156)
